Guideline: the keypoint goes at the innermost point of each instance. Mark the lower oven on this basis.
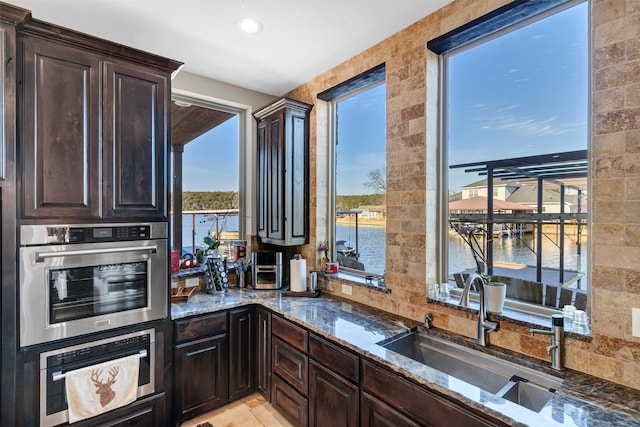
(55, 364)
(83, 279)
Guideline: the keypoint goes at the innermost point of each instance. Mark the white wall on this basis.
(244, 100)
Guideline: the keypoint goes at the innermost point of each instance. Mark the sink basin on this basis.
(519, 384)
(526, 394)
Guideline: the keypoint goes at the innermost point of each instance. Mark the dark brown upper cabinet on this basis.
(94, 125)
(61, 133)
(283, 172)
(135, 141)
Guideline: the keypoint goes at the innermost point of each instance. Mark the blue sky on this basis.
(361, 140)
(521, 94)
(210, 162)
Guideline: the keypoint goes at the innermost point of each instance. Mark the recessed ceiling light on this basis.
(182, 103)
(249, 25)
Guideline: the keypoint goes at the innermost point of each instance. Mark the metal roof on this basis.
(569, 168)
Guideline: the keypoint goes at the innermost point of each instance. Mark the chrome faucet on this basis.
(484, 326)
(557, 338)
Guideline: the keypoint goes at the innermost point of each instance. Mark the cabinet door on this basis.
(135, 141)
(332, 399)
(275, 167)
(7, 96)
(61, 131)
(297, 158)
(376, 413)
(242, 364)
(263, 178)
(264, 353)
(201, 376)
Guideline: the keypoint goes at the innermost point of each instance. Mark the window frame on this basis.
(502, 21)
(365, 85)
(245, 154)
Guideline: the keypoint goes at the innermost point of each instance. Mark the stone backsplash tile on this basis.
(608, 145)
(614, 207)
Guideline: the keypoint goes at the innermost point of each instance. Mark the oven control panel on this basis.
(43, 234)
(109, 234)
(122, 346)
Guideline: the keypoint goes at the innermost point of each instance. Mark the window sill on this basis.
(355, 279)
(509, 314)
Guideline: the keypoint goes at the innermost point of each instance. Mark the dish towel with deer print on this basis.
(100, 388)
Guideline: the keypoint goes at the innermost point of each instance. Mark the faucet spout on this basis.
(485, 326)
(557, 339)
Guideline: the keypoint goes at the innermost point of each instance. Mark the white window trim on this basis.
(246, 154)
(331, 171)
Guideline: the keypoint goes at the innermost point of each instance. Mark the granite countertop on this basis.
(583, 400)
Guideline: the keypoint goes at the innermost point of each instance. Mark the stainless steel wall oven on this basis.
(82, 279)
(56, 363)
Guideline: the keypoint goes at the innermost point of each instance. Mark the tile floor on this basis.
(252, 411)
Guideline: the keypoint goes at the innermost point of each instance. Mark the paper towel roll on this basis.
(298, 275)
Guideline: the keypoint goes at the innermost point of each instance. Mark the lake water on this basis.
(371, 245)
(204, 224)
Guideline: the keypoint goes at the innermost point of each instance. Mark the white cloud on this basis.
(506, 118)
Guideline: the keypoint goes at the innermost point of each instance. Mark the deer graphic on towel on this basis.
(104, 389)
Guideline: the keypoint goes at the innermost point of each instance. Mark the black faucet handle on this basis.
(557, 320)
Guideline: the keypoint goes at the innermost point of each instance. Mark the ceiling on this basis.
(188, 123)
(300, 39)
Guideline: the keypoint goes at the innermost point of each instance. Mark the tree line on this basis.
(353, 201)
(215, 200)
(209, 200)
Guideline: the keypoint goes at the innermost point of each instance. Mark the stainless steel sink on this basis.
(526, 394)
(519, 384)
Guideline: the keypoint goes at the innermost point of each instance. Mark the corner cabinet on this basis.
(283, 172)
(214, 361)
(201, 365)
(94, 128)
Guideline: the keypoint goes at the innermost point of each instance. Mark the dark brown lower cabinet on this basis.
(423, 406)
(242, 364)
(202, 382)
(290, 364)
(263, 354)
(376, 413)
(291, 404)
(333, 401)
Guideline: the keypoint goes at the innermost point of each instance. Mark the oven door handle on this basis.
(58, 375)
(41, 256)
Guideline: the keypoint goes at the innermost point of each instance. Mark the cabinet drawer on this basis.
(291, 364)
(291, 404)
(290, 333)
(191, 329)
(337, 359)
(376, 413)
(424, 406)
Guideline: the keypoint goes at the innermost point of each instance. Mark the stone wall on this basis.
(413, 221)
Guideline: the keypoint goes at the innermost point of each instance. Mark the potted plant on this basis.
(211, 244)
(495, 293)
(212, 239)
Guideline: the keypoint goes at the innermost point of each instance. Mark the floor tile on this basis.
(251, 411)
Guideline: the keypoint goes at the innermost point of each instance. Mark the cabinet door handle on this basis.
(41, 256)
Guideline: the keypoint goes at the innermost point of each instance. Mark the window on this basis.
(516, 107)
(358, 182)
(208, 137)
